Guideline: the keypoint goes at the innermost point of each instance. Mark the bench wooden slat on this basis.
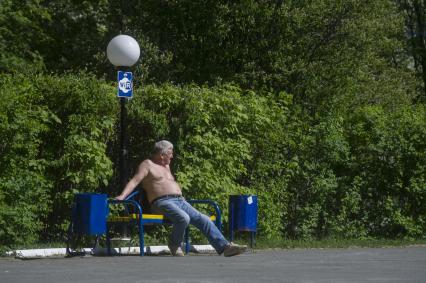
(147, 218)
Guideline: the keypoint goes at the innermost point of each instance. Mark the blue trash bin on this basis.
(90, 214)
(243, 215)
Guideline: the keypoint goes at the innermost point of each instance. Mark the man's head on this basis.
(163, 152)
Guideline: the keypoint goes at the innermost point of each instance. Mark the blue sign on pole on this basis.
(125, 84)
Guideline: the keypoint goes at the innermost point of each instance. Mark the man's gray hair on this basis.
(162, 147)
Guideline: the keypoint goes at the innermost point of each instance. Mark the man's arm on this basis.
(137, 178)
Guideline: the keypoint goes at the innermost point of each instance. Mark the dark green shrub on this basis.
(24, 186)
(387, 169)
(54, 133)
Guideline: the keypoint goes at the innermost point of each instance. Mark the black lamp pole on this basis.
(123, 154)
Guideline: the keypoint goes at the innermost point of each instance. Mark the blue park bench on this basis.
(139, 218)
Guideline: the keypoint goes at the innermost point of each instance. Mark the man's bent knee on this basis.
(183, 219)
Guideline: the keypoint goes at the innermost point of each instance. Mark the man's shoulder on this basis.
(145, 166)
(147, 163)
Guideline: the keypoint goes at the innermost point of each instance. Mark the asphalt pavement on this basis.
(407, 264)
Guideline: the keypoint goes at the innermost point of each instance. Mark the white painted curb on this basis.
(149, 250)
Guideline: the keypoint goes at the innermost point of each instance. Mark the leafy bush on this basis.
(77, 146)
(339, 174)
(227, 142)
(54, 133)
(386, 171)
(24, 187)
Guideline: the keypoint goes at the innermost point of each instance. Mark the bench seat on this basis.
(146, 218)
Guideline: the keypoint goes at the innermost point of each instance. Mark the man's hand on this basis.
(120, 197)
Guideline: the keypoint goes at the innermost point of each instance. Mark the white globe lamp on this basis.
(123, 50)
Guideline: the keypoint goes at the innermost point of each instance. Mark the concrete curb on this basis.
(149, 250)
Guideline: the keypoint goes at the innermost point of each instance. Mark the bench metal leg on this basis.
(108, 240)
(141, 237)
(187, 240)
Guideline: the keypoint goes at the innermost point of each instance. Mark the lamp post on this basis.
(123, 52)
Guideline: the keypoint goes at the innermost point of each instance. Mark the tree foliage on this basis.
(415, 15)
(20, 32)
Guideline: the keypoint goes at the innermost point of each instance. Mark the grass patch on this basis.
(335, 243)
(50, 245)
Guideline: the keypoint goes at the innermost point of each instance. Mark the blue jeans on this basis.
(181, 213)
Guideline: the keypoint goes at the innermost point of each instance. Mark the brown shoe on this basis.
(233, 249)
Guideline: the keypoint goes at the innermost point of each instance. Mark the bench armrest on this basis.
(132, 195)
(132, 202)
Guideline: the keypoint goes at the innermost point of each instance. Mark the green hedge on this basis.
(54, 133)
(355, 173)
(314, 177)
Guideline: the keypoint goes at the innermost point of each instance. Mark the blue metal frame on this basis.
(140, 221)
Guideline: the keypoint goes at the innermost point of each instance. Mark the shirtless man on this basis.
(165, 196)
